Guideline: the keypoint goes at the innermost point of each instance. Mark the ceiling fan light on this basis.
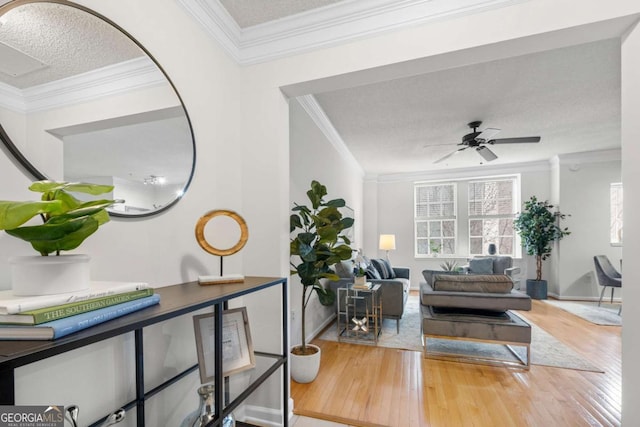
(486, 154)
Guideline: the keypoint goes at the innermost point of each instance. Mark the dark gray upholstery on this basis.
(513, 300)
(502, 264)
(487, 283)
(607, 275)
(479, 325)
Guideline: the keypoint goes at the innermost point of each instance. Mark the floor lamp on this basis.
(387, 243)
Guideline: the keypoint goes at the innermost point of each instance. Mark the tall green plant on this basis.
(539, 227)
(317, 245)
(67, 221)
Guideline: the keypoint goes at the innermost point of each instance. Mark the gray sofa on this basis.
(394, 291)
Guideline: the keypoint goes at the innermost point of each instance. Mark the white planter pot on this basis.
(304, 369)
(48, 275)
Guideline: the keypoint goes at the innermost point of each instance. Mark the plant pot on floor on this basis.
(304, 368)
(48, 275)
(537, 289)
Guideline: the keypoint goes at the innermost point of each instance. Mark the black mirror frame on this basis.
(31, 169)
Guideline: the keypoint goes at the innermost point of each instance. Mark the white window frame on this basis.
(514, 205)
(616, 201)
(434, 219)
(462, 231)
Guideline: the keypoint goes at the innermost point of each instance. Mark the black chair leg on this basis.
(398, 326)
(612, 289)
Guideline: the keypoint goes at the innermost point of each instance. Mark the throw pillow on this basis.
(494, 283)
(372, 273)
(384, 268)
(344, 269)
(481, 266)
(428, 275)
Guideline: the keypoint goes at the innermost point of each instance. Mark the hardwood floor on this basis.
(373, 386)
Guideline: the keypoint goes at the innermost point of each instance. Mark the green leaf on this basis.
(14, 214)
(49, 238)
(79, 187)
(336, 203)
(325, 296)
(294, 222)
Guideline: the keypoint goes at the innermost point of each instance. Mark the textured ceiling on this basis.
(570, 97)
(68, 40)
(247, 13)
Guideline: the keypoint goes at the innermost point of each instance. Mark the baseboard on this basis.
(616, 300)
(262, 416)
(316, 332)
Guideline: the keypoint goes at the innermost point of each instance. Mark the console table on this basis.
(175, 300)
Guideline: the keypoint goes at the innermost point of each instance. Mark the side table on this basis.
(359, 314)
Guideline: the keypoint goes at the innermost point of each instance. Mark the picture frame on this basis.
(237, 346)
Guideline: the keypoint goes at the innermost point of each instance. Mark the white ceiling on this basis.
(569, 97)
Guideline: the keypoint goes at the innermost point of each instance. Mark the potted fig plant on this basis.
(67, 222)
(318, 244)
(539, 227)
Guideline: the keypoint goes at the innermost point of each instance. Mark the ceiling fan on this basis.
(479, 140)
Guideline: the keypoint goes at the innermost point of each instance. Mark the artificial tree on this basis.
(318, 244)
(538, 226)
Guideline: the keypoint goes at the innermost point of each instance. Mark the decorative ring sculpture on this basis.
(202, 222)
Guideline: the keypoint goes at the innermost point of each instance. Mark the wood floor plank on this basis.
(374, 386)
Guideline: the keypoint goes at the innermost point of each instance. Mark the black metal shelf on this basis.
(175, 301)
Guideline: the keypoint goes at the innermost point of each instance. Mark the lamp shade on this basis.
(387, 242)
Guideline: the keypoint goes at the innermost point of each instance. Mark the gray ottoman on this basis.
(503, 328)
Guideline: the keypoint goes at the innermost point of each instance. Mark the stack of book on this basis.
(49, 317)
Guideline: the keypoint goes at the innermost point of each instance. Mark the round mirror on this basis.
(81, 100)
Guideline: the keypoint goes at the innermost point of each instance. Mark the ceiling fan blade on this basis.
(450, 154)
(486, 154)
(487, 134)
(514, 140)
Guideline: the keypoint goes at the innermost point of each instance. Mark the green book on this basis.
(48, 314)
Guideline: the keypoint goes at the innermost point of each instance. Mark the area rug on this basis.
(546, 350)
(606, 314)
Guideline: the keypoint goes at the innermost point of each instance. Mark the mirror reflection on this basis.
(81, 101)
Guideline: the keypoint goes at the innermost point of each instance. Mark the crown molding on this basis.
(115, 79)
(317, 114)
(462, 173)
(12, 98)
(596, 156)
(323, 27)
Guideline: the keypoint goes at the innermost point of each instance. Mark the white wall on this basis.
(392, 205)
(584, 195)
(241, 124)
(630, 176)
(313, 157)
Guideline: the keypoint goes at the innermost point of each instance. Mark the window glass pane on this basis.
(475, 246)
(422, 229)
(448, 246)
(435, 245)
(490, 229)
(506, 227)
(505, 189)
(616, 213)
(449, 228)
(435, 210)
(423, 246)
(505, 246)
(475, 227)
(448, 209)
(435, 229)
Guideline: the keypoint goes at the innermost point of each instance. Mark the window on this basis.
(435, 218)
(462, 217)
(615, 193)
(491, 213)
